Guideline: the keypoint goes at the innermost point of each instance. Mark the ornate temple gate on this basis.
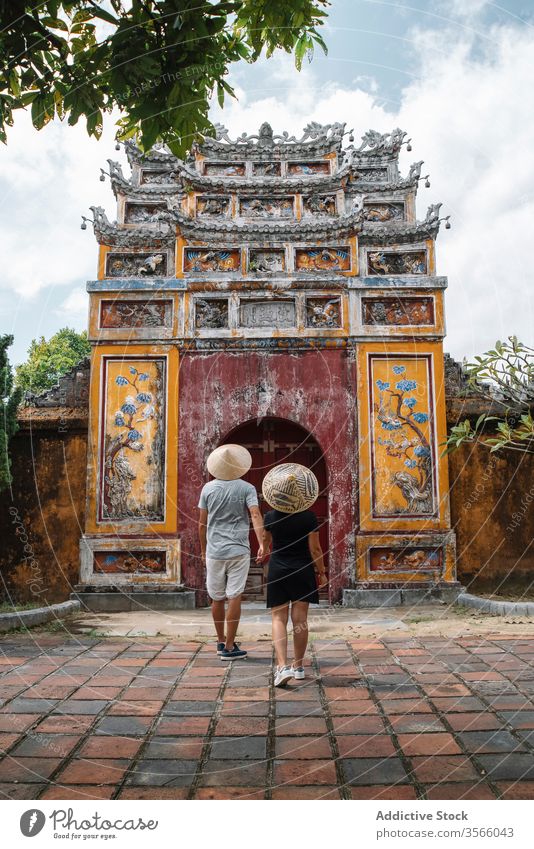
(282, 291)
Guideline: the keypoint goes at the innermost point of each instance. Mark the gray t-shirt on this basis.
(227, 503)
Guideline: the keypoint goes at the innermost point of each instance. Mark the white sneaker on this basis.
(298, 673)
(282, 675)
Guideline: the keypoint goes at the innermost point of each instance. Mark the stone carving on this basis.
(456, 378)
(383, 212)
(71, 390)
(405, 559)
(371, 175)
(266, 207)
(213, 206)
(403, 459)
(276, 313)
(320, 205)
(323, 312)
(137, 213)
(322, 259)
(211, 312)
(205, 259)
(132, 473)
(135, 314)
(266, 169)
(266, 260)
(159, 234)
(382, 143)
(313, 132)
(136, 265)
(153, 177)
(392, 262)
(398, 311)
(309, 169)
(225, 169)
(129, 562)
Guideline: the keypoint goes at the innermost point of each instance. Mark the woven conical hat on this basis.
(290, 488)
(229, 462)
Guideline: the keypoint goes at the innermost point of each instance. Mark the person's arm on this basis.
(203, 530)
(317, 556)
(257, 524)
(267, 540)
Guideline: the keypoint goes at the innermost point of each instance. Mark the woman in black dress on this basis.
(296, 566)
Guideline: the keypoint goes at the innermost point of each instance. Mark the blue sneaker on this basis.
(220, 648)
(235, 654)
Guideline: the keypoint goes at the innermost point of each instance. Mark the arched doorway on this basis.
(272, 441)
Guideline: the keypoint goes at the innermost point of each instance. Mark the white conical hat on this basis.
(229, 462)
(290, 488)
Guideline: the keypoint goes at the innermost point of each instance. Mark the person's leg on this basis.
(299, 618)
(216, 587)
(236, 578)
(233, 615)
(218, 613)
(279, 616)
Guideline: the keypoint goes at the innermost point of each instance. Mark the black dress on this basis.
(291, 574)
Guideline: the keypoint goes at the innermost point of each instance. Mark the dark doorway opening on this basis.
(272, 441)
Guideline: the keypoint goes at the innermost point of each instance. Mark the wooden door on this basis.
(271, 442)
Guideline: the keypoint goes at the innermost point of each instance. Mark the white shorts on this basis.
(226, 578)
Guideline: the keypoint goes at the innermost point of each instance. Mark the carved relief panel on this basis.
(384, 262)
(315, 205)
(145, 562)
(266, 260)
(402, 436)
(213, 206)
(118, 264)
(408, 559)
(266, 169)
(398, 312)
(132, 459)
(370, 175)
(382, 212)
(267, 313)
(144, 213)
(212, 259)
(153, 176)
(323, 258)
(323, 312)
(267, 207)
(309, 168)
(136, 313)
(211, 312)
(224, 169)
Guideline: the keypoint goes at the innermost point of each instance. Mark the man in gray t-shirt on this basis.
(224, 526)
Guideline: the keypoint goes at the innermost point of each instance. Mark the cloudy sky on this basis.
(458, 75)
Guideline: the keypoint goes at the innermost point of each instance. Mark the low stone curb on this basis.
(497, 608)
(37, 615)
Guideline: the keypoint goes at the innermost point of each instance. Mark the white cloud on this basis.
(74, 306)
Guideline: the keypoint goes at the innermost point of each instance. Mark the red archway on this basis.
(272, 441)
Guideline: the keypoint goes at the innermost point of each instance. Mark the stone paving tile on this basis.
(132, 719)
(375, 771)
(231, 773)
(486, 742)
(155, 773)
(433, 768)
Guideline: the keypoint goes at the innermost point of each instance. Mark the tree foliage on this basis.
(505, 376)
(9, 399)
(158, 61)
(48, 361)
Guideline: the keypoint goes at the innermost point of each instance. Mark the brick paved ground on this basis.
(396, 718)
